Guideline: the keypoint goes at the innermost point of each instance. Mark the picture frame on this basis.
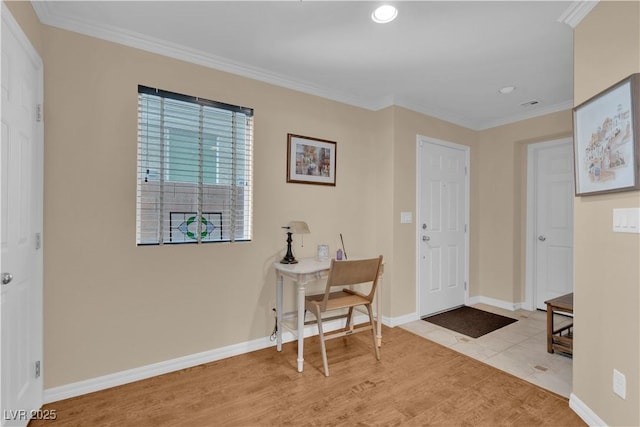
(311, 160)
(606, 139)
(323, 252)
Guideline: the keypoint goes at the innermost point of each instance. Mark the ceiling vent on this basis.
(530, 103)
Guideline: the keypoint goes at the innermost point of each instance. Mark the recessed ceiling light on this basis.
(507, 89)
(385, 13)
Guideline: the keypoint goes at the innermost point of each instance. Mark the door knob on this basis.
(542, 238)
(6, 278)
(426, 238)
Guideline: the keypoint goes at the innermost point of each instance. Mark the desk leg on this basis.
(301, 295)
(549, 328)
(379, 313)
(279, 285)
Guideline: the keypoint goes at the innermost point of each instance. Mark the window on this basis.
(194, 169)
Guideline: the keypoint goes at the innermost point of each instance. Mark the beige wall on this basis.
(407, 125)
(500, 173)
(382, 188)
(497, 201)
(111, 305)
(607, 272)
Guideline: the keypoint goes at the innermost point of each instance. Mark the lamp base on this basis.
(289, 258)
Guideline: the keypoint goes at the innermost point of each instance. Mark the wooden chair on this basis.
(341, 275)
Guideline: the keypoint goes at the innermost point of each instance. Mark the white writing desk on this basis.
(302, 273)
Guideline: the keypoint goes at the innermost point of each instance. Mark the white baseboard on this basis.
(130, 375)
(392, 322)
(119, 378)
(584, 412)
(511, 306)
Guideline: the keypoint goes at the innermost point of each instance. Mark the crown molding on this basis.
(47, 15)
(437, 113)
(479, 125)
(184, 53)
(540, 111)
(576, 12)
(42, 9)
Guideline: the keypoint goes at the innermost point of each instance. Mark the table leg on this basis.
(301, 295)
(379, 313)
(549, 328)
(279, 285)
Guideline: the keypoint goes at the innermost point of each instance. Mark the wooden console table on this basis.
(556, 341)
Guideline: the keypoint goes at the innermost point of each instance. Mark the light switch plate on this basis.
(406, 218)
(626, 220)
(619, 384)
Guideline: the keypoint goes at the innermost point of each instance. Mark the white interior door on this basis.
(553, 226)
(442, 219)
(21, 227)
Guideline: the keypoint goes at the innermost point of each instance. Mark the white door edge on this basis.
(530, 241)
(420, 140)
(11, 25)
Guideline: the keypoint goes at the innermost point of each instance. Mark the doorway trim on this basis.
(530, 241)
(12, 26)
(420, 140)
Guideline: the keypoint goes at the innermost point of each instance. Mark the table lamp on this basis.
(297, 227)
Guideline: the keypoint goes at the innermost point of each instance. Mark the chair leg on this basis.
(322, 345)
(349, 326)
(373, 331)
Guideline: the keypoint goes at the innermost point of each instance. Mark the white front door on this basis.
(21, 227)
(442, 219)
(552, 233)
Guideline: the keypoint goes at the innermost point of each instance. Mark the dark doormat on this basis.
(470, 321)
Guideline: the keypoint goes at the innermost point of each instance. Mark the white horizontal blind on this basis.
(194, 169)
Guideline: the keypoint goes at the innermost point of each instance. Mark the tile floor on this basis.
(519, 348)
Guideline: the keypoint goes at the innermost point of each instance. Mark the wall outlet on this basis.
(619, 384)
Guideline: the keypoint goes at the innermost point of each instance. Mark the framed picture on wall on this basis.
(311, 160)
(606, 131)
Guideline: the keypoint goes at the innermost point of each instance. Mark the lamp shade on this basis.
(298, 227)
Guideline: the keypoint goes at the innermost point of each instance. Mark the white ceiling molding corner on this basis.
(566, 105)
(43, 11)
(447, 116)
(382, 103)
(576, 12)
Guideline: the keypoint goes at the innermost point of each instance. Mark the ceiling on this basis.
(446, 59)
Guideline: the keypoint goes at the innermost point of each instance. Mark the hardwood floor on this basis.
(417, 383)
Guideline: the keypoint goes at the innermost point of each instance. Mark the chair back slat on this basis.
(353, 272)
